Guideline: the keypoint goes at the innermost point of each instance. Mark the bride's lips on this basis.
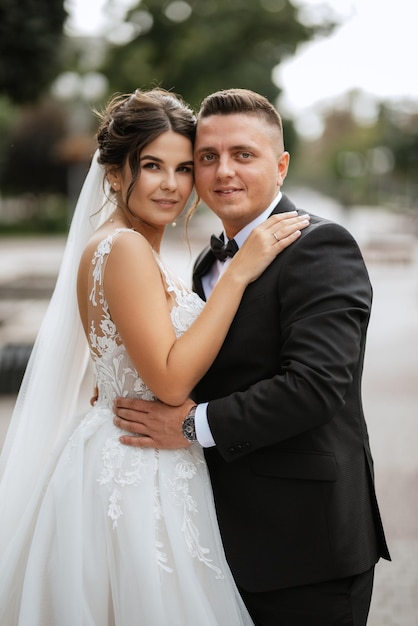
(165, 202)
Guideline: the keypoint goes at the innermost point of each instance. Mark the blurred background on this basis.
(343, 75)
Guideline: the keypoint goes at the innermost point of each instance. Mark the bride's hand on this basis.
(267, 241)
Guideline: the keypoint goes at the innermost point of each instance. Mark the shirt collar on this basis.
(242, 235)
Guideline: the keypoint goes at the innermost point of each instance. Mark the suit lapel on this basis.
(203, 263)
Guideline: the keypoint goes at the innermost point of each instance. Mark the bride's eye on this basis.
(187, 169)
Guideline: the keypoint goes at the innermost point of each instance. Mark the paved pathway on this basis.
(390, 376)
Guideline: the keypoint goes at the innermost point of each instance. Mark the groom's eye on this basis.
(208, 157)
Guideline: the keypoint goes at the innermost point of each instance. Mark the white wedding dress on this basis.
(124, 536)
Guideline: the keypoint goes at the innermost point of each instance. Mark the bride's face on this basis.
(165, 181)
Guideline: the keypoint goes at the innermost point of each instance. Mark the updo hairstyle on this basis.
(131, 122)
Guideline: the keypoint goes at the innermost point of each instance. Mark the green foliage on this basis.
(220, 44)
(30, 37)
(400, 133)
(374, 163)
(33, 163)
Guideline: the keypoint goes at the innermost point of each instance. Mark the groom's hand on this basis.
(152, 424)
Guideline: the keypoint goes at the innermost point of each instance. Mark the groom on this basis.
(279, 413)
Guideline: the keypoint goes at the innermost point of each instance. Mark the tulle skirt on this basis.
(122, 537)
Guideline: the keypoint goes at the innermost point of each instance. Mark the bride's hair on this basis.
(130, 122)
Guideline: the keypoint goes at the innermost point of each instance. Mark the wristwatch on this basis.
(188, 427)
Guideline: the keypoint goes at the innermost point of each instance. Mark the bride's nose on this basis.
(169, 181)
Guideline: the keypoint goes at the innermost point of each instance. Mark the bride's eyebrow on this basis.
(150, 157)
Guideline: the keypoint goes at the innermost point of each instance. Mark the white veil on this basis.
(48, 402)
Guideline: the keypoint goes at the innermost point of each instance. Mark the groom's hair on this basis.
(230, 101)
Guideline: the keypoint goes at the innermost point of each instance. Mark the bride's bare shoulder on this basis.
(125, 241)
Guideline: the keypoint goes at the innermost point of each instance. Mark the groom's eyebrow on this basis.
(206, 149)
(242, 147)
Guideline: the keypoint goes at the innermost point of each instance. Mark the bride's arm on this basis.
(137, 299)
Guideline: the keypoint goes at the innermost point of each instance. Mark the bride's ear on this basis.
(113, 178)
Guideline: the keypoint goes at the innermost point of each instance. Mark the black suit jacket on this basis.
(292, 471)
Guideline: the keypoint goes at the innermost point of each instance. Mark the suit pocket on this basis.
(296, 465)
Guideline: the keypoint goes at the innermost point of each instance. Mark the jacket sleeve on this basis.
(324, 297)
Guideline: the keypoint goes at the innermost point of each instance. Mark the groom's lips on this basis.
(227, 191)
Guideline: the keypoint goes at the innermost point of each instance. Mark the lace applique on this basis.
(178, 485)
(123, 466)
(188, 304)
(109, 337)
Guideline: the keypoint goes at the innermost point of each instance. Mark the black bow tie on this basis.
(222, 251)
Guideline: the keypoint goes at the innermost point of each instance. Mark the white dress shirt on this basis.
(203, 432)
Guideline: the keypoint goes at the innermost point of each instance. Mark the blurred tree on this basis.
(30, 37)
(200, 46)
(339, 161)
(32, 164)
(400, 134)
(364, 161)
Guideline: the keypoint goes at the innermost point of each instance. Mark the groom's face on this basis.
(239, 166)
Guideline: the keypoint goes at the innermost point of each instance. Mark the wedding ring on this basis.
(276, 237)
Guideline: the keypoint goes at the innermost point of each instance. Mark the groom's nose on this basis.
(225, 168)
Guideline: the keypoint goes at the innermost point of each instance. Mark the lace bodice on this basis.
(115, 373)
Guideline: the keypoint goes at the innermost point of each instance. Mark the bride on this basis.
(94, 533)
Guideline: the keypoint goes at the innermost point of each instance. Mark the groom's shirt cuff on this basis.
(203, 433)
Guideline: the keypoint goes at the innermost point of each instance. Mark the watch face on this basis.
(189, 429)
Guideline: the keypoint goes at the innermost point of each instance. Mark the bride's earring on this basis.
(173, 224)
